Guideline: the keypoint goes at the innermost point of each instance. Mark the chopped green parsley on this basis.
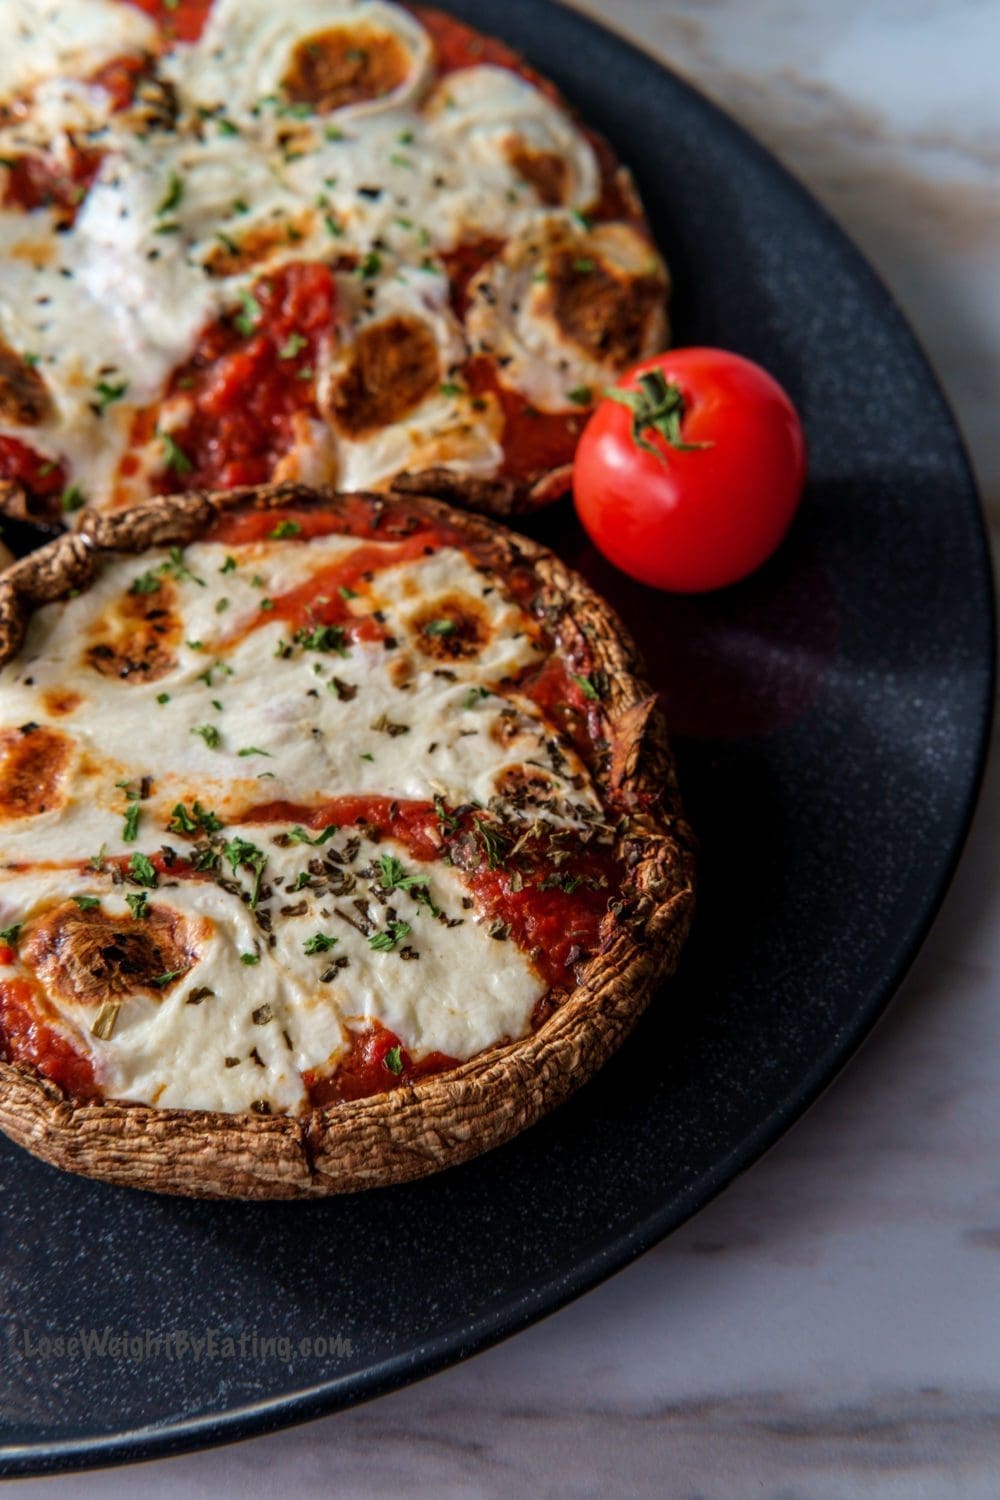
(319, 943)
(385, 942)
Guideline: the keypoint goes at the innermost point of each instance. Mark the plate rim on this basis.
(456, 1343)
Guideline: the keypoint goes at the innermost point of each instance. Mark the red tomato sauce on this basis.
(250, 376)
(367, 519)
(457, 45)
(179, 20)
(555, 927)
(366, 1068)
(556, 691)
(533, 441)
(319, 600)
(413, 824)
(121, 77)
(40, 476)
(34, 181)
(176, 868)
(27, 1037)
(465, 262)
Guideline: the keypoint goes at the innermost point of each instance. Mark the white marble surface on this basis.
(830, 1327)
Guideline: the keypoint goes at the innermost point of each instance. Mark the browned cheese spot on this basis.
(454, 627)
(61, 701)
(393, 366)
(605, 316)
(346, 65)
(524, 785)
(402, 670)
(506, 728)
(33, 760)
(24, 396)
(546, 171)
(91, 956)
(137, 638)
(239, 253)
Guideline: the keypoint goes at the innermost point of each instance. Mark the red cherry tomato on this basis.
(689, 472)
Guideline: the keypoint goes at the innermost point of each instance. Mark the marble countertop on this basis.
(830, 1327)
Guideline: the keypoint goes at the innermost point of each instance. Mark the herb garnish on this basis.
(247, 320)
(493, 842)
(86, 903)
(210, 734)
(322, 638)
(162, 980)
(143, 871)
(587, 688)
(241, 853)
(384, 942)
(285, 528)
(106, 1020)
(177, 460)
(370, 266)
(173, 196)
(384, 725)
(299, 835)
(108, 393)
(292, 347)
(393, 877)
(393, 1060)
(174, 567)
(319, 943)
(138, 905)
(439, 627)
(10, 934)
(449, 821)
(199, 819)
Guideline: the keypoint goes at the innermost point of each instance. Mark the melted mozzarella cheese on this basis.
(513, 315)
(247, 48)
(42, 38)
(394, 724)
(486, 116)
(444, 425)
(384, 188)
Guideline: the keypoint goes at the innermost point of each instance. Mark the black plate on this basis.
(831, 717)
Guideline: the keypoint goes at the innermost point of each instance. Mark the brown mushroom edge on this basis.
(445, 1118)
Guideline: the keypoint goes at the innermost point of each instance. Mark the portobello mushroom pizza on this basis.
(339, 841)
(327, 241)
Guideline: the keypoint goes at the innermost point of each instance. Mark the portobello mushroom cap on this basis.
(444, 1118)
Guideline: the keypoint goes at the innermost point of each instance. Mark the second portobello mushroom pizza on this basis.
(329, 241)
